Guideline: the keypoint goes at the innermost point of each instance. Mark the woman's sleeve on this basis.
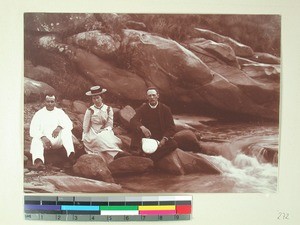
(87, 120)
(110, 118)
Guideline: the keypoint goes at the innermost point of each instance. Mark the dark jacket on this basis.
(165, 119)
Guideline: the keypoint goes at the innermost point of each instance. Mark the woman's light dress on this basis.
(98, 135)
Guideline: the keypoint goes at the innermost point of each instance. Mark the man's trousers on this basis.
(64, 139)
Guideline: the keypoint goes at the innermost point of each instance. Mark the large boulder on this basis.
(79, 184)
(93, 167)
(180, 163)
(37, 72)
(222, 51)
(79, 107)
(171, 164)
(234, 75)
(102, 45)
(231, 88)
(259, 101)
(117, 81)
(239, 48)
(260, 93)
(161, 62)
(36, 90)
(50, 53)
(187, 141)
(125, 115)
(130, 164)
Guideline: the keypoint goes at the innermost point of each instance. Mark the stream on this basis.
(253, 167)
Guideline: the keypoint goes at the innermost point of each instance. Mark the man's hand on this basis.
(55, 133)
(162, 142)
(146, 131)
(46, 142)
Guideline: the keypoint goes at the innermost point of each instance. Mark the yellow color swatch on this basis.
(157, 207)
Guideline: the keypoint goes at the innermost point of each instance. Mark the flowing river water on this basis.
(253, 167)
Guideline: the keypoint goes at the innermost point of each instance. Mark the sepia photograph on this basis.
(148, 111)
(151, 103)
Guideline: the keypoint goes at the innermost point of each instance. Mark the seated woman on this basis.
(98, 136)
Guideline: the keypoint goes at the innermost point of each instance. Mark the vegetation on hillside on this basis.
(261, 32)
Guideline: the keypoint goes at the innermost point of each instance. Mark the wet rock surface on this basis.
(180, 163)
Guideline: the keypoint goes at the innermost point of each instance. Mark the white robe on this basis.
(43, 123)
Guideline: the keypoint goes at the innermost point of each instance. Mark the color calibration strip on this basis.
(108, 208)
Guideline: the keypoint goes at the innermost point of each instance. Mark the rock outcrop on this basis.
(180, 163)
(36, 90)
(102, 45)
(239, 48)
(125, 115)
(130, 165)
(80, 185)
(93, 167)
(208, 70)
(187, 140)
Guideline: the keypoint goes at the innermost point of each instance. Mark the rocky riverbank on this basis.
(89, 169)
(93, 173)
(202, 71)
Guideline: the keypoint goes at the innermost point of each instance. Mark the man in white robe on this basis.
(50, 128)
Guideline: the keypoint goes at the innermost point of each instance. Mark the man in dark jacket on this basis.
(153, 120)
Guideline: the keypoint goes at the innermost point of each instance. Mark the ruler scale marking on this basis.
(112, 208)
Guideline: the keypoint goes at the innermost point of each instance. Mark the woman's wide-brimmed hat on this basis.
(95, 90)
(149, 145)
